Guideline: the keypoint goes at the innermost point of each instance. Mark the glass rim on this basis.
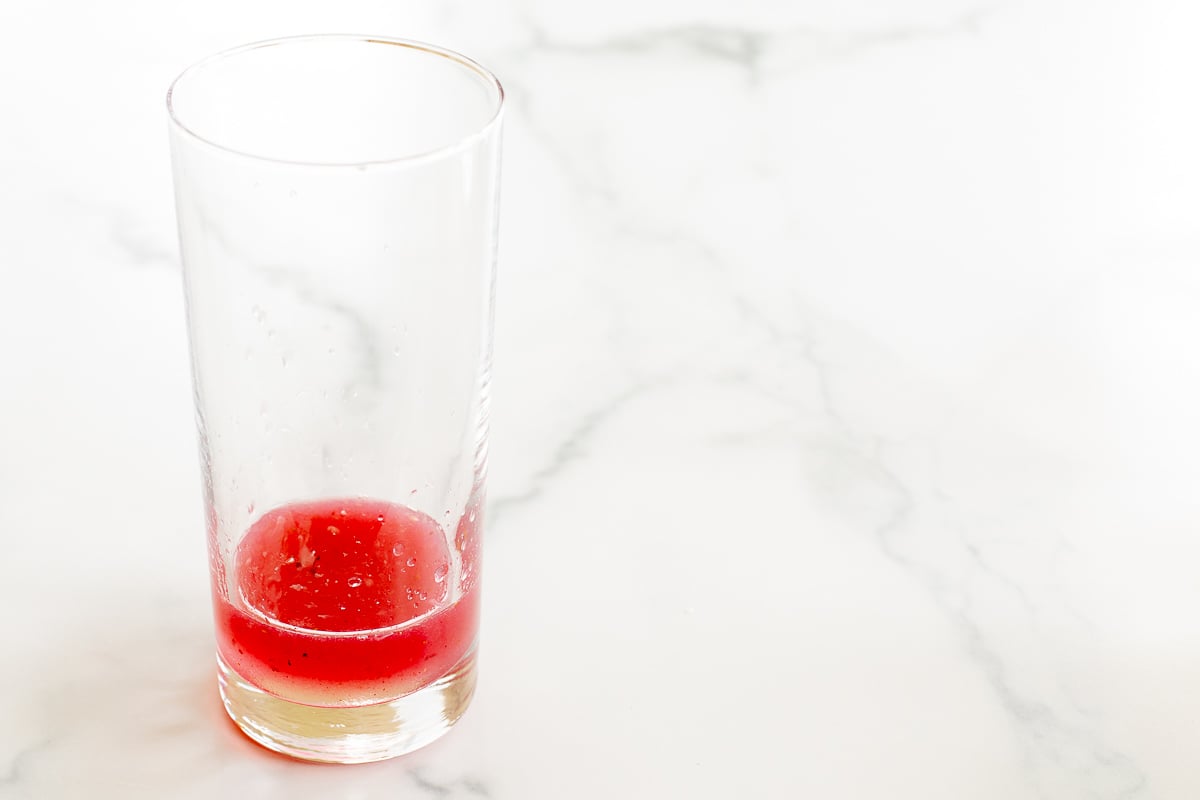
(428, 155)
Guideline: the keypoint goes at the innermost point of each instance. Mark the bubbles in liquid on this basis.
(412, 562)
(354, 582)
(397, 549)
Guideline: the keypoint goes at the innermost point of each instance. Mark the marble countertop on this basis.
(846, 406)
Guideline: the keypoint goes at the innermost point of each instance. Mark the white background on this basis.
(847, 404)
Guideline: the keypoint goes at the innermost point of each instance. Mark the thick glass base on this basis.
(349, 735)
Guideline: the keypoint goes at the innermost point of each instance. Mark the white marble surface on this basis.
(847, 405)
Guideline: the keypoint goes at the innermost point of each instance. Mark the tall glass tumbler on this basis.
(337, 205)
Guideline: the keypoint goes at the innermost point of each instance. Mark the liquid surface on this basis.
(346, 602)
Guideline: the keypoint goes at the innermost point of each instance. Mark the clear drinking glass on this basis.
(337, 199)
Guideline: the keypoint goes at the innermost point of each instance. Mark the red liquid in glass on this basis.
(347, 602)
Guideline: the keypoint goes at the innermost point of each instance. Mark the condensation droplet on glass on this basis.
(379, 518)
(439, 574)
(354, 582)
(408, 593)
(333, 531)
(397, 549)
(471, 517)
(412, 562)
(342, 512)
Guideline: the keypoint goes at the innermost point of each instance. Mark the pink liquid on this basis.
(348, 602)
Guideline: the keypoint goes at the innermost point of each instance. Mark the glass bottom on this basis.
(349, 735)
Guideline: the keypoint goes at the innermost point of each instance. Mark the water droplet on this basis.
(439, 574)
(258, 314)
(397, 549)
(396, 351)
(379, 518)
(408, 593)
(414, 491)
(412, 562)
(333, 531)
(250, 508)
(471, 517)
(354, 582)
(270, 333)
(342, 513)
(283, 361)
(297, 587)
(293, 194)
